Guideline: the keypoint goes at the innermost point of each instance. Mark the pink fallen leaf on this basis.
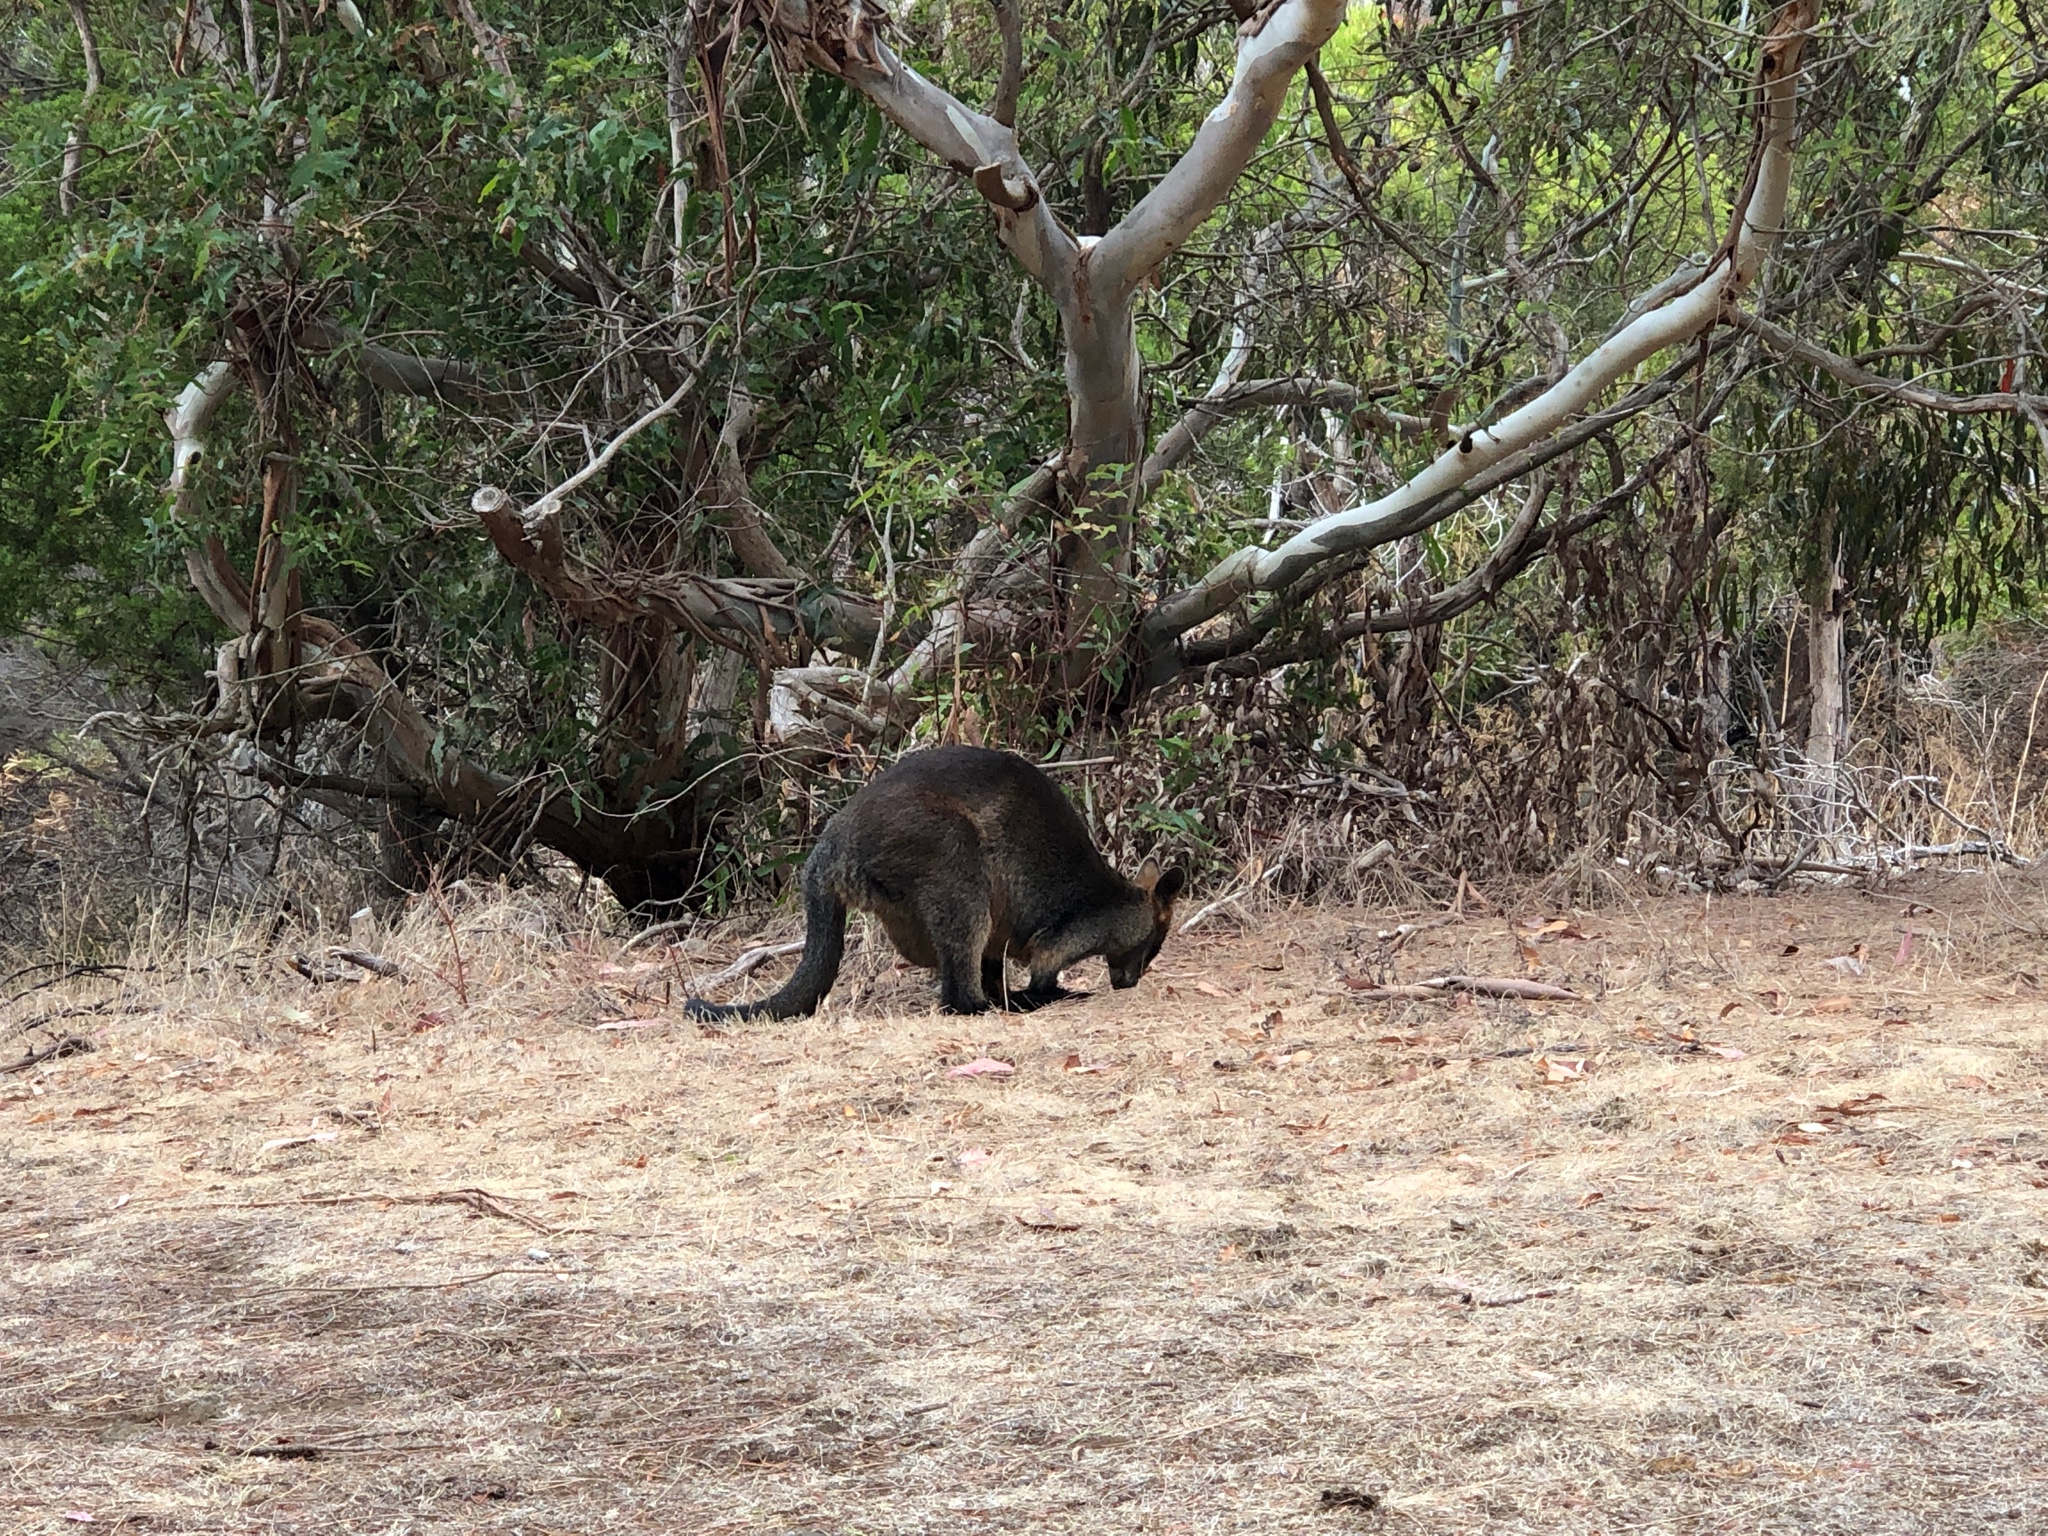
(1562, 1069)
(630, 1024)
(82, 1516)
(972, 1156)
(122, 1200)
(981, 1066)
(1731, 1052)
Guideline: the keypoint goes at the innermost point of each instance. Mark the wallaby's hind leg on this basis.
(958, 922)
(995, 983)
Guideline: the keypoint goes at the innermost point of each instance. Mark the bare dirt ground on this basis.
(1745, 1242)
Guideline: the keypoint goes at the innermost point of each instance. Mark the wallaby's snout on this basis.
(1159, 890)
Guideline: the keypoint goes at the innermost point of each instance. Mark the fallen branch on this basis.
(1484, 986)
(482, 1201)
(375, 964)
(747, 964)
(70, 1045)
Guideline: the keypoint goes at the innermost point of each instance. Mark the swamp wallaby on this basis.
(970, 857)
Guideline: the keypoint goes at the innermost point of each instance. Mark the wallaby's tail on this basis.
(816, 969)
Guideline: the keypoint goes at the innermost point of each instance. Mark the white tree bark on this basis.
(1679, 318)
(1827, 724)
(1092, 283)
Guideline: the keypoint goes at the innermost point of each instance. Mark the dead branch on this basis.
(746, 525)
(490, 47)
(70, 1045)
(746, 965)
(74, 143)
(377, 965)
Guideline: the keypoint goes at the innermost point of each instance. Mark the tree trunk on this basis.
(1827, 721)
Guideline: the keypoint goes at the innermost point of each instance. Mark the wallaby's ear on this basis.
(1170, 885)
(1147, 875)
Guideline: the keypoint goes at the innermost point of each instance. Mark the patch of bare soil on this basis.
(1753, 1239)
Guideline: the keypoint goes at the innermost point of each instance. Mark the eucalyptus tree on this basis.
(565, 404)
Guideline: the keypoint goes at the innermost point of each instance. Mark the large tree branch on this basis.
(1860, 379)
(1180, 440)
(741, 615)
(188, 421)
(490, 47)
(746, 526)
(1272, 48)
(402, 373)
(74, 143)
(1010, 22)
(845, 39)
(1432, 494)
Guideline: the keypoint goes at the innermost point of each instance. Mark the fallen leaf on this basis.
(1850, 964)
(1665, 1466)
(1969, 1082)
(972, 1156)
(981, 1066)
(1210, 989)
(1736, 1469)
(1905, 947)
(1729, 1008)
(1834, 1005)
(1813, 1127)
(1729, 1052)
(1562, 1069)
(1862, 1104)
(630, 1024)
(1789, 949)
(1592, 1198)
(83, 1517)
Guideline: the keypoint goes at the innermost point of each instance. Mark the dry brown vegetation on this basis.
(1745, 1242)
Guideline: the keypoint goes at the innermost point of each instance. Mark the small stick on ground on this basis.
(1485, 986)
(70, 1045)
(747, 964)
(482, 1201)
(377, 965)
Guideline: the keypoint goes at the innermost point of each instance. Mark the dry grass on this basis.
(1267, 1241)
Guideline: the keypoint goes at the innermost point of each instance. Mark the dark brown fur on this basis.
(970, 858)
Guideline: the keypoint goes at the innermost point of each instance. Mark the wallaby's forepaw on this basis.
(1025, 1002)
(965, 1005)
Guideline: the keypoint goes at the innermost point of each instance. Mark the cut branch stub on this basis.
(992, 184)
